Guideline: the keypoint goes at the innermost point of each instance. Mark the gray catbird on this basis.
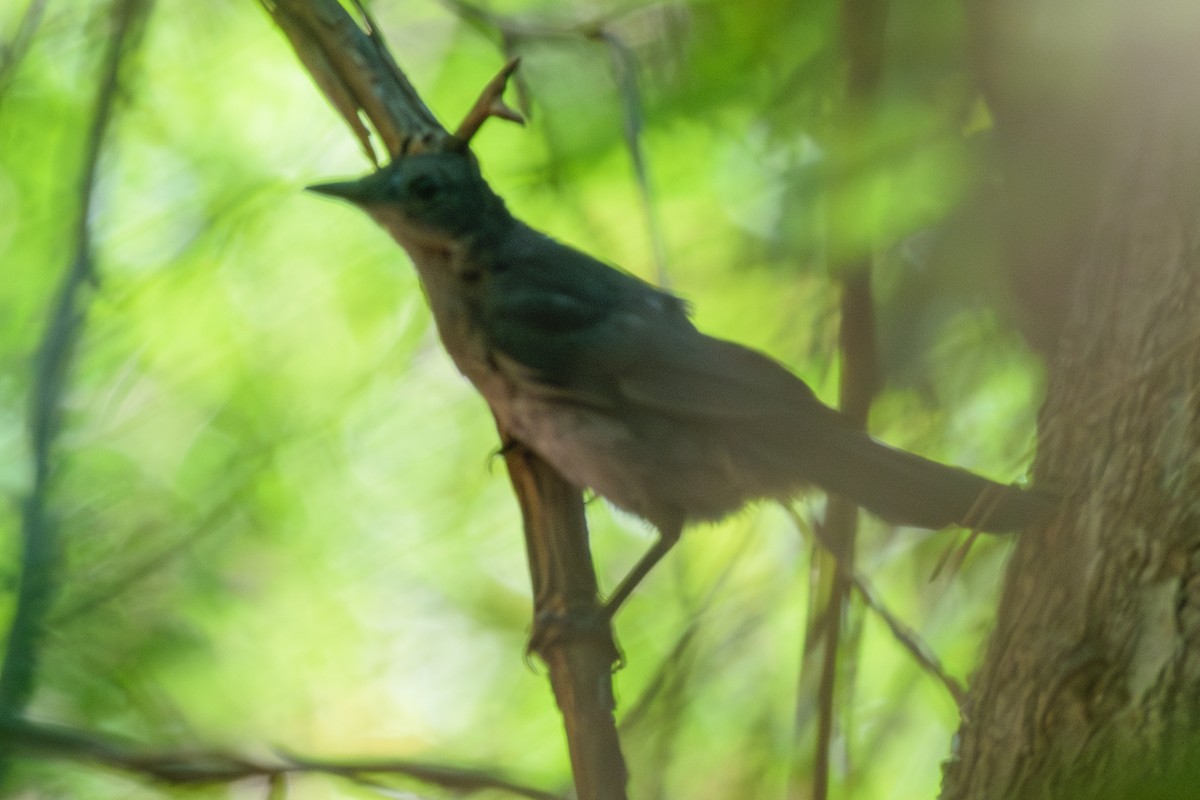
(605, 377)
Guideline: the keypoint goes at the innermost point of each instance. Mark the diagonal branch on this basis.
(355, 71)
(904, 635)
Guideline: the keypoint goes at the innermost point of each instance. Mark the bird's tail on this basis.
(907, 489)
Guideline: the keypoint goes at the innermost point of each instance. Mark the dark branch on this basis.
(197, 768)
(861, 29)
(12, 54)
(40, 546)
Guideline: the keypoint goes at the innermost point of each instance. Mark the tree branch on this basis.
(12, 54)
(39, 536)
(571, 633)
(355, 71)
(198, 768)
(905, 636)
(862, 29)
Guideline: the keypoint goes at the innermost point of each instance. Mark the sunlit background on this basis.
(283, 523)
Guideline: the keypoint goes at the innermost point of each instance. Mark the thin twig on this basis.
(448, 777)
(842, 527)
(496, 25)
(509, 31)
(658, 682)
(12, 54)
(196, 768)
(856, 392)
(625, 73)
(908, 638)
(490, 104)
(40, 545)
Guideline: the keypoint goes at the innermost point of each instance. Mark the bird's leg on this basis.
(668, 535)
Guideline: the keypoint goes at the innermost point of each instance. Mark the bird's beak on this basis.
(364, 191)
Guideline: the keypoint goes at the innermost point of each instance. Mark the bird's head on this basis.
(425, 198)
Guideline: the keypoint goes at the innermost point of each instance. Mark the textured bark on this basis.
(1091, 683)
(579, 657)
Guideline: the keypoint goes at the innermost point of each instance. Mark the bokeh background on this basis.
(282, 523)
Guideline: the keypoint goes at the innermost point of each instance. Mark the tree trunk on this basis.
(1091, 683)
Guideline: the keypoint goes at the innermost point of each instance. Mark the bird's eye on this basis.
(423, 187)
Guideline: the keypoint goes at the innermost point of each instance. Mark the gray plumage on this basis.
(605, 377)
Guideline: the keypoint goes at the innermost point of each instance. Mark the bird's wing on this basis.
(686, 373)
(559, 318)
(576, 326)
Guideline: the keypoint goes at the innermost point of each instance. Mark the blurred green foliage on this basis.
(282, 522)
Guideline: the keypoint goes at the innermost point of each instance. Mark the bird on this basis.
(606, 378)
